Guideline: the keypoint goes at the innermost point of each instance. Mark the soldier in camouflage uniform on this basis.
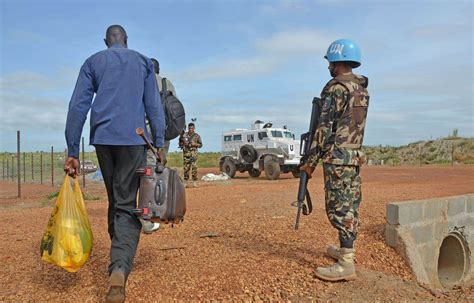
(190, 142)
(338, 142)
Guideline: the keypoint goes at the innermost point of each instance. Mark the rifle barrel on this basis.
(139, 131)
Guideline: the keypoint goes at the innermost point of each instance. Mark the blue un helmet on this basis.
(344, 50)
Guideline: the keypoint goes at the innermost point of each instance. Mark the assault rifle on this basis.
(305, 150)
(183, 141)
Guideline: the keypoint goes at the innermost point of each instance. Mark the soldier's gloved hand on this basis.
(161, 157)
(308, 169)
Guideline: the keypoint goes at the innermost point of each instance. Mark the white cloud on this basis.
(36, 104)
(24, 36)
(26, 112)
(295, 42)
(440, 30)
(231, 69)
(270, 53)
(26, 80)
(32, 81)
(282, 6)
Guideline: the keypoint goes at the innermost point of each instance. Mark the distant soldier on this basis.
(190, 142)
(338, 142)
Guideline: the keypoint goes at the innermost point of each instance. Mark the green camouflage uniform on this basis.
(190, 154)
(337, 142)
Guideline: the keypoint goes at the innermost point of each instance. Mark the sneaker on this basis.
(149, 227)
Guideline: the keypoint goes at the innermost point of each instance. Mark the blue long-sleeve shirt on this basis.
(124, 85)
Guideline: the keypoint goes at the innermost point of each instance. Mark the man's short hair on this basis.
(191, 125)
(115, 26)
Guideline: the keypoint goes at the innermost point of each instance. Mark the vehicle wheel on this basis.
(248, 153)
(272, 170)
(229, 168)
(295, 173)
(254, 173)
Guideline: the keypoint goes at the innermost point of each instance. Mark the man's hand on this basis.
(308, 169)
(71, 166)
(161, 157)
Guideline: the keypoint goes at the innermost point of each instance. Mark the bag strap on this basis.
(164, 86)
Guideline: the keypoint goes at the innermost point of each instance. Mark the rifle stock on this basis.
(305, 148)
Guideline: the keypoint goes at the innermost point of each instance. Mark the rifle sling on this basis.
(164, 85)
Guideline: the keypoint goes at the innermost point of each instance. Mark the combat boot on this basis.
(334, 252)
(116, 292)
(344, 269)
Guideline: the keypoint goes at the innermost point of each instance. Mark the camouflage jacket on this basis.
(185, 142)
(340, 131)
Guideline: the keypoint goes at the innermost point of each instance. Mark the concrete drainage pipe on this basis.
(453, 262)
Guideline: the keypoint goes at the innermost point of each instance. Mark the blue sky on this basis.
(233, 62)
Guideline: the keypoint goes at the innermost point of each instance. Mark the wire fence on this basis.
(40, 167)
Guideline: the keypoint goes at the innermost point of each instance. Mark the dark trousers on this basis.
(118, 165)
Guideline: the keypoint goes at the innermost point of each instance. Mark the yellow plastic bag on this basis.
(67, 241)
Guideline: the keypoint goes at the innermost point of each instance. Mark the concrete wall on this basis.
(416, 230)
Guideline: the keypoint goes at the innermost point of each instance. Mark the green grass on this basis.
(53, 195)
(208, 159)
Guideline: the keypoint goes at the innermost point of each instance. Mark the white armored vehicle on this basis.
(261, 148)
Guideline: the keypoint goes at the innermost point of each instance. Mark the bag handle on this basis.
(159, 193)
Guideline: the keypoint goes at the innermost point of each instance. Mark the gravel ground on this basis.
(236, 244)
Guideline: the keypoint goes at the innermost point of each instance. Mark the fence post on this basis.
(18, 162)
(83, 171)
(3, 168)
(419, 153)
(452, 154)
(41, 167)
(52, 166)
(32, 168)
(8, 168)
(13, 168)
(24, 167)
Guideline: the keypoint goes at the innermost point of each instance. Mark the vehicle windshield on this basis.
(277, 134)
(288, 135)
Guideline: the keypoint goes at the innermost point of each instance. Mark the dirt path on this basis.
(256, 254)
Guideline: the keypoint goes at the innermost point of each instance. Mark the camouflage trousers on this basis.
(190, 164)
(342, 186)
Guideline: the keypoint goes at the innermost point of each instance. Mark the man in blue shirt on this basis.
(124, 85)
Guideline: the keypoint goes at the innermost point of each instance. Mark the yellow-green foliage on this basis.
(208, 159)
(427, 152)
